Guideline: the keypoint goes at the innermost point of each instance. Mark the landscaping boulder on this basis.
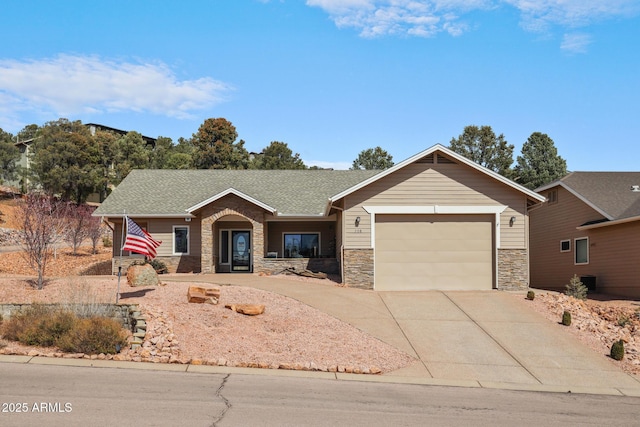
(248, 309)
(197, 294)
(142, 275)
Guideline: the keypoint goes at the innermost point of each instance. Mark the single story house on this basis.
(434, 221)
(589, 226)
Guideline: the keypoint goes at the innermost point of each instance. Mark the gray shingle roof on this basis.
(172, 192)
(608, 191)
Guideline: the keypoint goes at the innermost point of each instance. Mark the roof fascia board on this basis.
(236, 193)
(609, 223)
(437, 147)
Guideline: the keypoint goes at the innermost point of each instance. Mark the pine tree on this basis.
(540, 163)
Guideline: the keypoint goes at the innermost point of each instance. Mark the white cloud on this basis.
(539, 15)
(426, 18)
(402, 17)
(575, 43)
(68, 85)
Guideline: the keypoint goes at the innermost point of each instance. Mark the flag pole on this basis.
(124, 219)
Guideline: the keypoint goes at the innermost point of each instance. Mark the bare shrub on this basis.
(80, 298)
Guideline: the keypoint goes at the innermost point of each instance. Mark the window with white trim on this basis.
(180, 240)
(581, 246)
(565, 245)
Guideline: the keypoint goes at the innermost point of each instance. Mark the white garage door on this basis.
(422, 252)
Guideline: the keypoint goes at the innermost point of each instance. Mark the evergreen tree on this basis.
(278, 156)
(9, 156)
(215, 147)
(481, 145)
(540, 162)
(132, 152)
(66, 160)
(372, 159)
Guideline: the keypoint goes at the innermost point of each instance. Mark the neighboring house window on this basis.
(180, 240)
(301, 245)
(582, 250)
(565, 245)
(552, 196)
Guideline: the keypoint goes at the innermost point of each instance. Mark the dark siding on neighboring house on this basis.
(615, 259)
(550, 224)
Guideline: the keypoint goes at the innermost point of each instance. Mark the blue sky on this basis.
(332, 78)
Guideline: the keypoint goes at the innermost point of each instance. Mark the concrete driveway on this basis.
(486, 338)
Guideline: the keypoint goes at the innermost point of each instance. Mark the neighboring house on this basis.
(23, 163)
(434, 221)
(589, 226)
(26, 150)
(93, 127)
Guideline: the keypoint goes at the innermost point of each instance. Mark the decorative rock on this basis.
(197, 294)
(142, 275)
(248, 309)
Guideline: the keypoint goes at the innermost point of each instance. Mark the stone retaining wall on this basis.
(175, 264)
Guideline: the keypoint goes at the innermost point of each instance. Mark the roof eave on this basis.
(609, 223)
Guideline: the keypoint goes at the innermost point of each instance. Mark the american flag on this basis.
(139, 241)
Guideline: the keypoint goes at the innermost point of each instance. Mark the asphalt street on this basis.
(82, 396)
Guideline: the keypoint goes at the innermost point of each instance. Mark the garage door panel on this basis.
(434, 252)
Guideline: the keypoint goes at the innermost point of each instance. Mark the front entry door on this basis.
(241, 251)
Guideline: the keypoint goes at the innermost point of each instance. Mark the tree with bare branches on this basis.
(94, 230)
(76, 228)
(43, 220)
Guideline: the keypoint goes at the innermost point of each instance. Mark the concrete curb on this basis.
(224, 370)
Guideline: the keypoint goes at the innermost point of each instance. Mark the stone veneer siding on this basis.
(513, 269)
(230, 205)
(357, 271)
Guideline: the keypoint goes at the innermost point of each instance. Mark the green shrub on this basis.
(617, 350)
(48, 326)
(38, 325)
(531, 295)
(46, 330)
(623, 320)
(159, 266)
(93, 336)
(576, 289)
(566, 318)
(107, 242)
